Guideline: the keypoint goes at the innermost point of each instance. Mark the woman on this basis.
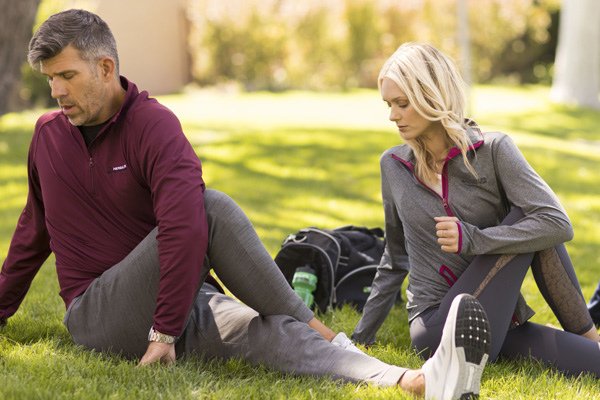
(469, 215)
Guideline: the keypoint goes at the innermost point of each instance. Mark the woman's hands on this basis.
(446, 229)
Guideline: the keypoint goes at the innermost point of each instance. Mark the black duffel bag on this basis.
(344, 259)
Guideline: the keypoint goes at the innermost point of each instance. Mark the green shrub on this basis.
(273, 45)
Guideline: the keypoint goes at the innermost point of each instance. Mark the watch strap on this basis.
(156, 336)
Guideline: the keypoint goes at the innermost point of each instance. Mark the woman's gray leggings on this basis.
(496, 281)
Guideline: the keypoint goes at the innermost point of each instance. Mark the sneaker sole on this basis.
(472, 338)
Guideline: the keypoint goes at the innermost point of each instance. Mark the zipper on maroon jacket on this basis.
(91, 163)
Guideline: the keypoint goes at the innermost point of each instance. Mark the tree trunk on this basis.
(577, 65)
(16, 22)
(463, 37)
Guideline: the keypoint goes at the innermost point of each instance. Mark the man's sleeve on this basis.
(29, 248)
(173, 173)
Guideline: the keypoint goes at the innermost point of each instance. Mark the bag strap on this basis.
(302, 236)
(369, 231)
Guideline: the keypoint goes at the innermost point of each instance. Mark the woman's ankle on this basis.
(592, 334)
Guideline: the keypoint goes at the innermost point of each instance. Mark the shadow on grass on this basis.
(287, 178)
(564, 172)
(525, 371)
(557, 122)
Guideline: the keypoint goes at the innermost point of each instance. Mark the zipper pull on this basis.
(447, 207)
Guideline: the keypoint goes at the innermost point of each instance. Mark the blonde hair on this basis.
(435, 90)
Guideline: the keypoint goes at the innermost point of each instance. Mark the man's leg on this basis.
(116, 311)
(223, 328)
(241, 261)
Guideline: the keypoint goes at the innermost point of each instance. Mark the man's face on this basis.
(77, 86)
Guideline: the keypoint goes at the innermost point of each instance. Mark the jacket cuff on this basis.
(465, 238)
(460, 237)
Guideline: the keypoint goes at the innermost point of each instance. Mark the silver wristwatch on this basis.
(156, 336)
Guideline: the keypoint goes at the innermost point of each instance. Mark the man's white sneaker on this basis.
(341, 340)
(454, 371)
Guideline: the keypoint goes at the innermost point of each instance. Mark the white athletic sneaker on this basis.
(341, 340)
(454, 371)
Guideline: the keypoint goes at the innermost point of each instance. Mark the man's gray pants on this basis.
(116, 311)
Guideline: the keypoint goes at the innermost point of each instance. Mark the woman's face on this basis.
(410, 123)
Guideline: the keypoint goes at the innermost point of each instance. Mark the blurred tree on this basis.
(363, 39)
(577, 66)
(16, 23)
(333, 44)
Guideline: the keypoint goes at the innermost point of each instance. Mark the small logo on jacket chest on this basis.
(474, 181)
(120, 167)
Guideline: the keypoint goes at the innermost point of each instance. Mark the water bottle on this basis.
(304, 283)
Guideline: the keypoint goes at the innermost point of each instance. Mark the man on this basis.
(116, 192)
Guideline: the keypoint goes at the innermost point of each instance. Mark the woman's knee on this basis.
(514, 215)
(424, 340)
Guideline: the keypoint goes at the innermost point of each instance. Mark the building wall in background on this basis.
(152, 41)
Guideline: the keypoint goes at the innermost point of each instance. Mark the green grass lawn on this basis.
(294, 160)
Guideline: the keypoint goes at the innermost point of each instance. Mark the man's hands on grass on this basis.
(159, 352)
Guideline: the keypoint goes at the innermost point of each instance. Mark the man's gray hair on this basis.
(86, 31)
